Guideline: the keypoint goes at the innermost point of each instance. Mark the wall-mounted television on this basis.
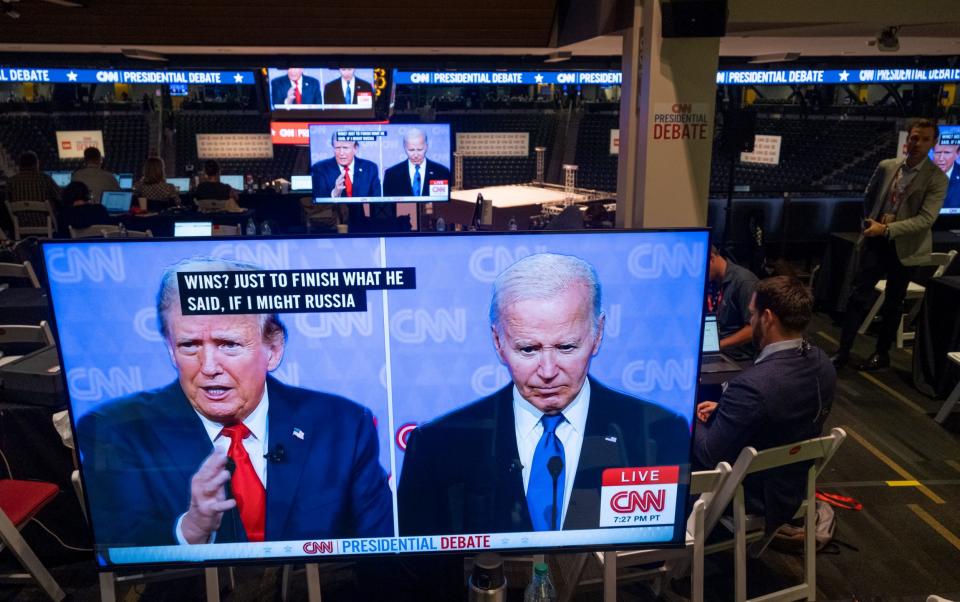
(392, 163)
(946, 155)
(278, 399)
(344, 92)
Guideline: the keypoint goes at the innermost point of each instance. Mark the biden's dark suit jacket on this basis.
(783, 399)
(309, 90)
(140, 453)
(333, 91)
(462, 472)
(396, 180)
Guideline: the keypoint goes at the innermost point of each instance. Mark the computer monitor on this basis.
(116, 201)
(126, 180)
(61, 178)
(946, 155)
(235, 182)
(390, 421)
(388, 162)
(711, 335)
(181, 229)
(182, 184)
(301, 183)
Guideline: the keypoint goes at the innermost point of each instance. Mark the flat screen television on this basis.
(367, 382)
(946, 155)
(299, 92)
(388, 163)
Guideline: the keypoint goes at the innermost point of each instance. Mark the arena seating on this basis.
(125, 136)
(598, 168)
(187, 124)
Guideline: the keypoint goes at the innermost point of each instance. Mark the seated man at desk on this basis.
(211, 188)
(731, 287)
(783, 398)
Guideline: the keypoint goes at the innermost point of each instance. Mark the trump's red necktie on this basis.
(297, 98)
(346, 181)
(247, 488)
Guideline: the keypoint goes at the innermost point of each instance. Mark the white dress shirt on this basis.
(256, 445)
(411, 170)
(529, 429)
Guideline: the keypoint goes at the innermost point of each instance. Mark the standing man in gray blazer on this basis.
(900, 204)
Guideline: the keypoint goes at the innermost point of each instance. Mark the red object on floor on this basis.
(21, 500)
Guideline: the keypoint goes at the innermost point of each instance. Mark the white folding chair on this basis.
(750, 527)
(20, 270)
(705, 514)
(947, 407)
(31, 218)
(95, 231)
(915, 293)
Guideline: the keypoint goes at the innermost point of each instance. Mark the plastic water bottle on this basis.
(441, 225)
(122, 230)
(251, 228)
(512, 224)
(541, 588)
(265, 228)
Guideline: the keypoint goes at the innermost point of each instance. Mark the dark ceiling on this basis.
(477, 23)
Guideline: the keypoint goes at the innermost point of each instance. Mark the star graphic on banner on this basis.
(844, 75)
(538, 78)
(238, 78)
(72, 76)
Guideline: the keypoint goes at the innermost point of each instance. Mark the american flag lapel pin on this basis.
(610, 438)
(298, 434)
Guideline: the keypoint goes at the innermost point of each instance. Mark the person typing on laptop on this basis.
(729, 297)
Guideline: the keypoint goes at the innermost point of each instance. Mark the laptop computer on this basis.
(125, 180)
(192, 229)
(713, 360)
(116, 201)
(301, 183)
(182, 184)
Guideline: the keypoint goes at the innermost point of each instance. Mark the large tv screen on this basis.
(945, 155)
(380, 163)
(300, 91)
(278, 399)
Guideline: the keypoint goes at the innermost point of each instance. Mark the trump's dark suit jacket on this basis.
(366, 182)
(309, 90)
(333, 91)
(952, 200)
(462, 472)
(396, 180)
(140, 453)
(783, 399)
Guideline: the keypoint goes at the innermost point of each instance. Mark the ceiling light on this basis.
(777, 57)
(67, 3)
(888, 41)
(143, 55)
(558, 57)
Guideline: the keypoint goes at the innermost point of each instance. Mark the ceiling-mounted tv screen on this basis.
(946, 155)
(301, 92)
(283, 399)
(380, 163)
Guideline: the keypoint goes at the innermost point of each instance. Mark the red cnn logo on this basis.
(628, 502)
(318, 547)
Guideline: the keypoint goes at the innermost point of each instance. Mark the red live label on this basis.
(290, 132)
(647, 475)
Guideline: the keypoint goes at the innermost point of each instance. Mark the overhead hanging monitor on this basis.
(344, 92)
(382, 381)
(380, 163)
(946, 155)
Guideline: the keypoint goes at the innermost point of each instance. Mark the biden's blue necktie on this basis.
(349, 97)
(416, 180)
(540, 488)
